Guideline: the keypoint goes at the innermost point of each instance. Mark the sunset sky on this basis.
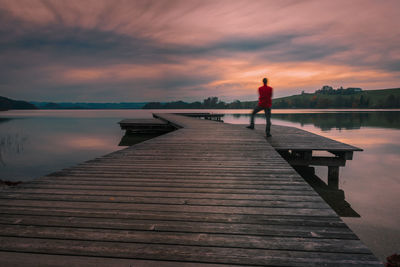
(134, 51)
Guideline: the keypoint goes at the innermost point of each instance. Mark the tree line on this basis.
(209, 103)
(306, 101)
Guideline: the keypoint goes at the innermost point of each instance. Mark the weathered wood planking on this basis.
(291, 138)
(207, 194)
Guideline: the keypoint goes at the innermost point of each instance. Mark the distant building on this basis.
(326, 88)
(354, 89)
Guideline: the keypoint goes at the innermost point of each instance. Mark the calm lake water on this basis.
(35, 143)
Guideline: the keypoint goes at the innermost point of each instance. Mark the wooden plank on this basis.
(288, 197)
(286, 174)
(191, 239)
(271, 179)
(182, 226)
(289, 220)
(183, 184)
(186, 253)
(188, 171)
(168, 200)
(177, 189)
(172, 207)
(17, 259)
(318, 161)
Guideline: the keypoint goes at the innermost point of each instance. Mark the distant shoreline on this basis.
(325, 98)
(316, 109)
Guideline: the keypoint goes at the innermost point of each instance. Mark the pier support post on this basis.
(333, 176)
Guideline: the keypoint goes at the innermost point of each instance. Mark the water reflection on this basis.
(130, 139)
(11, 144)
(331, 193)
(339, 120)
(34, 146)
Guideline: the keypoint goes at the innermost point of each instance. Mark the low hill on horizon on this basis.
(381, 98)
(7, 103)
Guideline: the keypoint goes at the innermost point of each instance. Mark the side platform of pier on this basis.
(209, 193)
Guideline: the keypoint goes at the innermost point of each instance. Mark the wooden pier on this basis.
(207, 194)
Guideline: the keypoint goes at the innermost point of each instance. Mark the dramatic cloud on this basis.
(169, 50)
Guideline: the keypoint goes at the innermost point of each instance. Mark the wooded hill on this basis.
(385, 98)
(7, 103)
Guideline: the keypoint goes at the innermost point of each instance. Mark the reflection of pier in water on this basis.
(345, 120)
(339, 120)
(331, 193)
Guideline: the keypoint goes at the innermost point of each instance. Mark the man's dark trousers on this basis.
(267, 117)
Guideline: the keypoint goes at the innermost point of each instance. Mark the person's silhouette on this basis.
(264, 103)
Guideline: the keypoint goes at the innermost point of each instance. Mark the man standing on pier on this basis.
(264, 103)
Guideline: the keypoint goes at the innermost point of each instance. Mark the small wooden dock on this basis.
(208, 194)
(146, 126)
(204, 115)
(298, 148)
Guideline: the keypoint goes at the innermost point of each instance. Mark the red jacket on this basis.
(265, 93)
